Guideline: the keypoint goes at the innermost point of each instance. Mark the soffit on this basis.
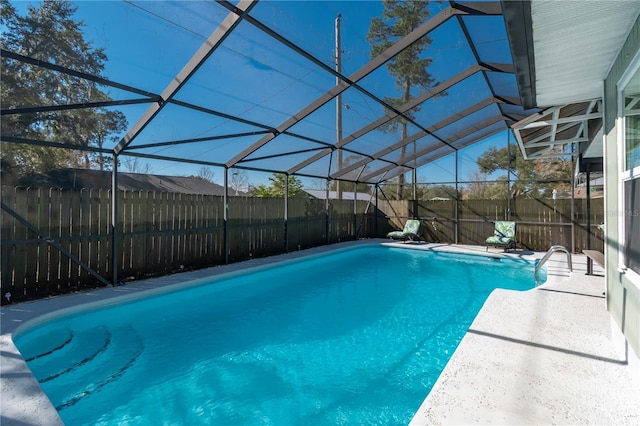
(562, 53)
(575, 43)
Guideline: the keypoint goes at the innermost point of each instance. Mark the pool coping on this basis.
(22, 399)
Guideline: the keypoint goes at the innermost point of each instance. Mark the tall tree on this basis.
(409, 67)
(108, 126)
(532, 178)
(50, 33)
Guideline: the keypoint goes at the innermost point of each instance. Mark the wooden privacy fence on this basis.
(158, 233)
(541, 223)
(55, 241)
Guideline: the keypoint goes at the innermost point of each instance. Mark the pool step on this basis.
(80, 349)
(76, 377)
(45, 345)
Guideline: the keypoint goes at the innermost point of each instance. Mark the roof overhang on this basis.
(562, 52)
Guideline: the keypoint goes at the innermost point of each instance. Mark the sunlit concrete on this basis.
(546, 356)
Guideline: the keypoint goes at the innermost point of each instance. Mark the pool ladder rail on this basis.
(546, 257)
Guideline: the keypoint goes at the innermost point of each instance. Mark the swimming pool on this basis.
(359, 336)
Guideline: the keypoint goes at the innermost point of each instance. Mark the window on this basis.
(632, 224)
(631, 100)
(629, 119)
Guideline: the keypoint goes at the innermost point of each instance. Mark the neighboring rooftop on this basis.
(99, 179)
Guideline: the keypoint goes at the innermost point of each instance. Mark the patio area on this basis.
(525, 111)
(545, 356)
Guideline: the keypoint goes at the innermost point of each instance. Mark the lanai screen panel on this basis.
(256, 85)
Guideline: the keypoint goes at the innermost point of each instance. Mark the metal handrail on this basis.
(546, 257)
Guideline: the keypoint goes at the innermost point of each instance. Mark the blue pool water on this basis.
(354, 337)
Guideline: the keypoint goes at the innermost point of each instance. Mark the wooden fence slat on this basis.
(126, 245)
(123, 237)
(188, 226)
(140, 227)
(84, 233)
(191, 235)
(41, 259)
(200, 243)
(157, 227)
(75, 230)
(93, 226)
(103, 247)
(8, 235)
(65, 232)
(183, 208)
(209, 218)
(176, 226)
(31, 250)
(168, 222)
(147, 216)
(55, 257)
(198, 246)
(96, 233)
(20, 259)
(218, 214)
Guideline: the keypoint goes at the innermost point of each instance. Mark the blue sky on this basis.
(254, 77)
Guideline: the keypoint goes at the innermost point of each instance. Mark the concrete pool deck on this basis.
(545, 356)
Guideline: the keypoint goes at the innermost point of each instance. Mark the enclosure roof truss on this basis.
(557, 131)
(472, 97)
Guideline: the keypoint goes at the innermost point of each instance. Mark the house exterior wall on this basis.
(623, 289)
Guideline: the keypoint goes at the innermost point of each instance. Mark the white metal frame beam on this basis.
(550, 128)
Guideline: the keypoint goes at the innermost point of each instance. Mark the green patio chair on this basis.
(410, 231)
(504, 235)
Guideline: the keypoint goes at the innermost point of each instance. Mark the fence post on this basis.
(327, 213)
(508, 215)
(286, 213)
(456, 235)
(114, 220)
(355, 211)
(225, 216)
(375, 224)
(573, 206)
